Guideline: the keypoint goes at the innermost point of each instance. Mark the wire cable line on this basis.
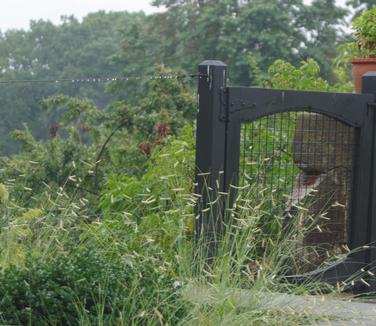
(101, 79)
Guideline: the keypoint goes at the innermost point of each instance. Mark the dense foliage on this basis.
(71, 50)
(87, 285)
(188, 32)
(107, 238)
(97, 206)
(365, 32)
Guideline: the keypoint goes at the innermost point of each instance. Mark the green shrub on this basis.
(86, 286)
(156, 207)
(305, 77)
(365, 33)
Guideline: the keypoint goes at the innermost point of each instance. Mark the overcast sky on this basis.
(18, 13)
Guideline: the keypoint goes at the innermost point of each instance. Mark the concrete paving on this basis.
(338, 312)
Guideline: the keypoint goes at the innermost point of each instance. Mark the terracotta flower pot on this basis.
(359, 68)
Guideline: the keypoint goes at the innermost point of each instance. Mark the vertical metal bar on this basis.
(244, 131)
(210, 155)
(233, 135)
(361, 212)
(369, 87)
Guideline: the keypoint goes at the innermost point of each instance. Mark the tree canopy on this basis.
(129, 44)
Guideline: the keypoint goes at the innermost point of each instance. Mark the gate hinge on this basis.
(230, 105)
(224, 104)
(237, 105)
(240, 104)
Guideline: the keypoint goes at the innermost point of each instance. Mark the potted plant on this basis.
(365, 46)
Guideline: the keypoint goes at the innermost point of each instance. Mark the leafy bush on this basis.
(120, 257)
(306, 77)
(157, 205)
(47, 166)
(86, 286)
(365, 33)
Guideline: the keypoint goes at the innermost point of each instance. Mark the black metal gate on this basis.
(290, 146)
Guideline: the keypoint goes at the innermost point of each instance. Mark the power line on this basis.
(98, 80)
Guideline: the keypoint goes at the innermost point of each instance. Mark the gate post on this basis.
(369, 87)
(210, 157)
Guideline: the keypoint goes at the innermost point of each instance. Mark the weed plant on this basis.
(116, 271)
(129, 259)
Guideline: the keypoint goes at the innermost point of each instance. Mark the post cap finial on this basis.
(370, 74)
(369, 82)
(213, 63)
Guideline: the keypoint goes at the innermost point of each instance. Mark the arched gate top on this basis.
(246, 104)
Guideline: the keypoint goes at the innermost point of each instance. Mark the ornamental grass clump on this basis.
(116, 271)
(245, 281)
(134, 261)
(4, 194)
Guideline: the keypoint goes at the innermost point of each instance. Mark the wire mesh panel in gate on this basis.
(300, 163)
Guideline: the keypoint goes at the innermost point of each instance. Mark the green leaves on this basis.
(365, 32)
(67, 111)
(306, 77)
(189, 32)
(85, 284)
(146, 207)
(71, 50)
